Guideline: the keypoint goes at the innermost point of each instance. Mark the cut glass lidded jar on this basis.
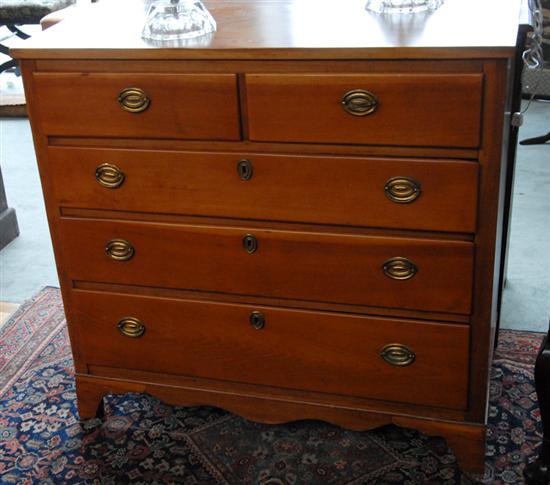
(170, 20)
(402, 6)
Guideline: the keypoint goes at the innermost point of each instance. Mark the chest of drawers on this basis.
(284, 228)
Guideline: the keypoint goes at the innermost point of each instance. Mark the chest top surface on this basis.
(288, 29)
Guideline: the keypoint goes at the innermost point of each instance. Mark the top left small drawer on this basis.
(183, 106)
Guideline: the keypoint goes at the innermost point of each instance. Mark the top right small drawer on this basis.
(432, 110)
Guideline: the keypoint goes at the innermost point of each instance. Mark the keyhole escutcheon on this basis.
(257, 320)
(250, 243)
(245, 169)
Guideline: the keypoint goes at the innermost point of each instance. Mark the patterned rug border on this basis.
(513, 330)
(16, 356)
(23, 308)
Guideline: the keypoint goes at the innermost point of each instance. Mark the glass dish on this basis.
(402, 6)
(170, 20)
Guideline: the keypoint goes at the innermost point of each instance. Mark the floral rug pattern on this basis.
(143, 441)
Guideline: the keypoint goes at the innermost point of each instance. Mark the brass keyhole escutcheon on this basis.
(250, 243)
(120, 250)
(257, 320)
(109, 176)
(134, 100)
(359, 102)
(399, 268)
(245, 169)
(398, 355)
(402, 190)
(131, 327)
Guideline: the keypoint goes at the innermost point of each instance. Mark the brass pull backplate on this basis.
(399, 268)
(119, 250)
(257, 320)
(109, 176)
(359, 102)
(131, 327)
(133, 100)
(398, 355)
(402, 190)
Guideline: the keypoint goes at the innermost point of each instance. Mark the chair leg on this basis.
(538, 473)
(8, 65)
(18, 32)
(6, 51)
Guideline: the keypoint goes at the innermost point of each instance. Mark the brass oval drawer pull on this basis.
(134, 100)
(257, 320)
(109, 176)
(131, 327)
(119, 250)
(399, 268)
(402, 190)
(250, 243)
(359, 102)
(398, 355)
(245, 169)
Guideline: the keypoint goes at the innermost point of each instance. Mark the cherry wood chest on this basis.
(295, 218)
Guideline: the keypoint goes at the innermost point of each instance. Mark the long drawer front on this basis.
(403, 361)
(422, 274)
(377, 192)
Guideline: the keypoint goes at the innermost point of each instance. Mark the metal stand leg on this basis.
(537, 140)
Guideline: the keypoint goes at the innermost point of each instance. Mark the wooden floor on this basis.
(6, 310)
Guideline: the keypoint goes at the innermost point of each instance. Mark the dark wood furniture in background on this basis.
(297, 217)
(9, 229)
(538, 473)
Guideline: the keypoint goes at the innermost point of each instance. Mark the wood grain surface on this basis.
(268, 86)
(284, 29)
(413, 109)
(467, 439)
(192, 106)
(323, 352)
(295, 188)
(335, 268)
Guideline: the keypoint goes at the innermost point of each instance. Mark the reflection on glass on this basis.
(403, 29)
(172, 20)
(402, 6)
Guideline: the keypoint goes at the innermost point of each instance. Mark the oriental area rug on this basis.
(144, 441)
